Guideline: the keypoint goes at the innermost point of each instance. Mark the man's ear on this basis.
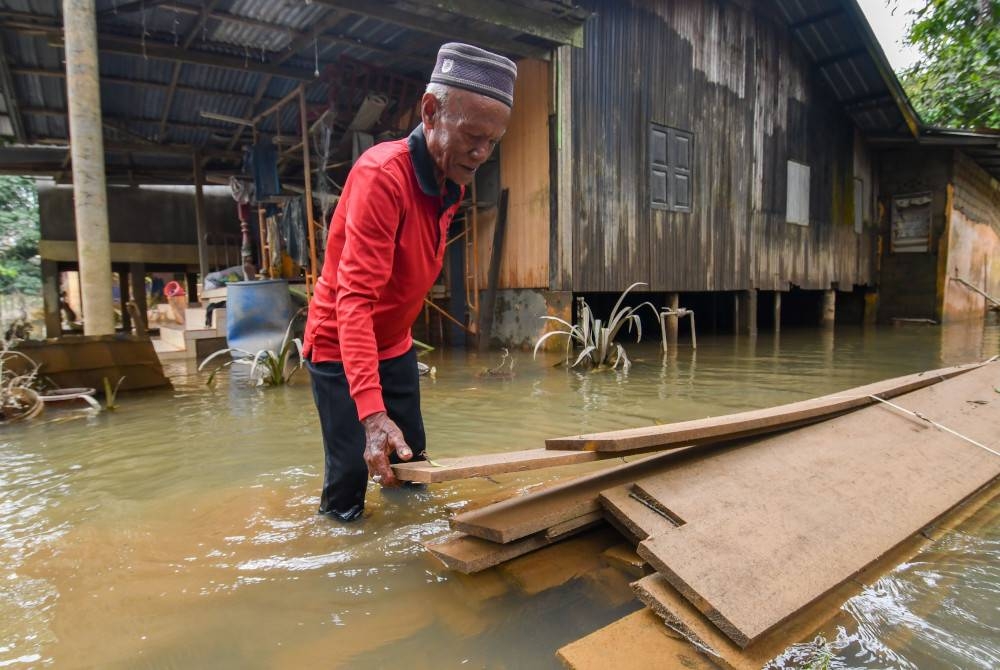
(430, 110)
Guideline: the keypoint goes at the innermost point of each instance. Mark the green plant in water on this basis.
(597, 337)
(110, 394)
(823, 656)
(267, 367)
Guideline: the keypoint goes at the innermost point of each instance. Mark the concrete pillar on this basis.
(671, 322)
(87, 151)
(777, 311)
(829, 310)
(50, 298)
(137, 278)
(746, 312)
(199, 217)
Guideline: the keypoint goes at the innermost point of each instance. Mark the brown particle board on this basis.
(790, 516)
(639, 641)
(755, 422)
(629, 512)
(678, 613)
(623, 557)
(522, 516)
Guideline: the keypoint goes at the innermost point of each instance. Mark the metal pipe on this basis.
(87, 148)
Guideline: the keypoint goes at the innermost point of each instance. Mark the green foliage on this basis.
(20, 266)
(957, 83)
(596, 337)
(267, 367)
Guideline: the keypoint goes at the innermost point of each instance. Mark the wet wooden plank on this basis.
(756, 422)
(629, 513)
(519, 517)
(468, 555)
(481, 465)
(793, 515)
(681, 616)
(639, 641)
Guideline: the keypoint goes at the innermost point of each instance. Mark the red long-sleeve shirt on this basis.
(384, 250)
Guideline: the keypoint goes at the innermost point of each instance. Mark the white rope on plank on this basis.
(934, 423)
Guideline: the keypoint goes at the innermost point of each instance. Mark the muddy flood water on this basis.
(180, 530)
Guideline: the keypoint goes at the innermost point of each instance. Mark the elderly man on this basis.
(385, 249)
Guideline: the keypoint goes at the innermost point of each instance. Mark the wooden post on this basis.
(199, 217)
(137, 277)
(123, 297)
(83, 95)
(307, 172)
(777, 311)
(829, 313)
(746, 312)
(674, 303)
(50, 298)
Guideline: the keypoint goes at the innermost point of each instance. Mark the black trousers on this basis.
(346, 474)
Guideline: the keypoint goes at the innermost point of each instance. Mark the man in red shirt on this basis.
(385, 249)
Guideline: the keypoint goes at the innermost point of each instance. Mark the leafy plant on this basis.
(111, 393)
(955, 83)
(823, 655)
(267, 367)
(597, 337)
(20, 264)
(18, 400)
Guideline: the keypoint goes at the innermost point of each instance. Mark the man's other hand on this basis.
(382, 437)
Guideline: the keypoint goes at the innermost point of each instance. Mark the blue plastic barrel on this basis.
(257, 314)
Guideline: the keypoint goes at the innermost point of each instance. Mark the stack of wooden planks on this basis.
(755, 527)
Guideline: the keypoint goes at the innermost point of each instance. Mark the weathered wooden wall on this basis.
(524, 169)
(908, 282)
(733, 77)
(973, 241)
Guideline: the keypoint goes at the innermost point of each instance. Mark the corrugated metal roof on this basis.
(136, 83)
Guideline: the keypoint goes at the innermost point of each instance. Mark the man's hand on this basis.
(382, 437)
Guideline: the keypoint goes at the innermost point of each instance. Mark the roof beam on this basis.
(514, 17)
(839, 57)
(181, 125)
(176, 74)
(816, 18)
(332, 17)
(10, 96)
(142, 83)
(166, 51)
(395, 15)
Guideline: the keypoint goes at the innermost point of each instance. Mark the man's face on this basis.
(462, 136)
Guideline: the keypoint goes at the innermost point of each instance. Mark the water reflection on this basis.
(180, 530)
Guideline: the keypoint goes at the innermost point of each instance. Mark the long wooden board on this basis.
(481, 465)
(681, 616)
(469, 555)
(522, 516)
(755, 422)
(770, 527)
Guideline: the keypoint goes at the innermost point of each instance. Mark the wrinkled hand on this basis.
(382, 437)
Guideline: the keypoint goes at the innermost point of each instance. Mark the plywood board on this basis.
(522, 516)
(638, 642)
(788, 518)
(681, 616)
(756, 422)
